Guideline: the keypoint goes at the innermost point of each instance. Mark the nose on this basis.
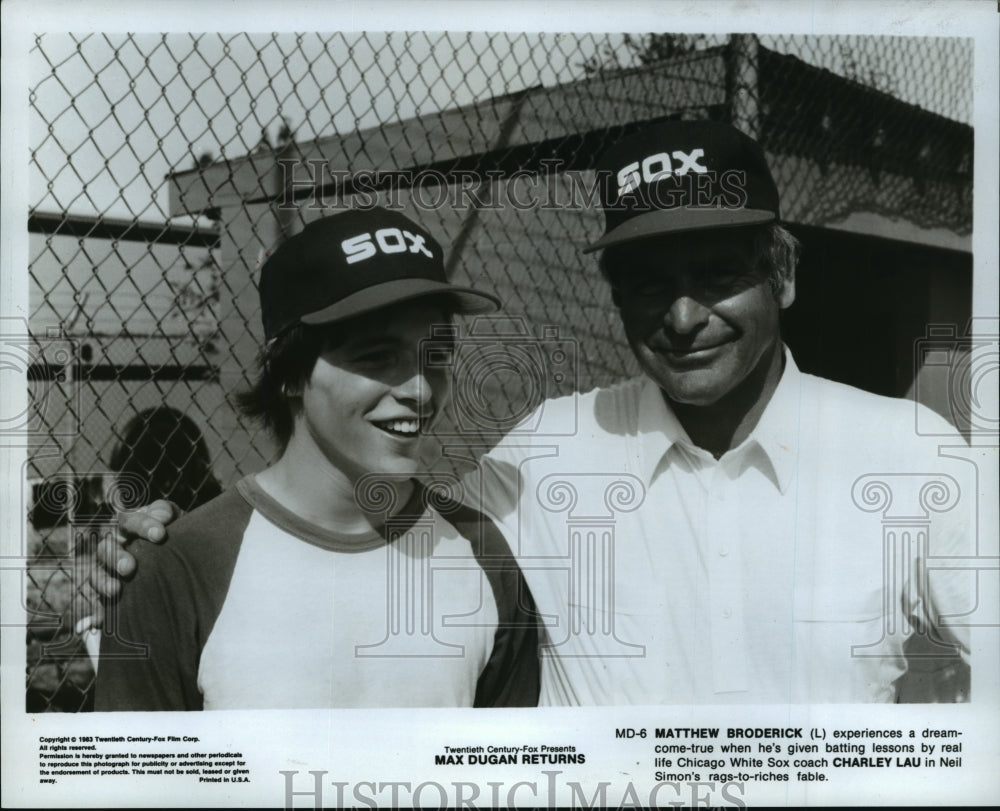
(685, 315)
(418, 387)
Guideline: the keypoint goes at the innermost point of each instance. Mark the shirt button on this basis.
(727, 613)
(723, 553)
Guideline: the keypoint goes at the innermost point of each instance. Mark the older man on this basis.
(707, 535)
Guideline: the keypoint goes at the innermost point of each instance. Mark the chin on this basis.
(691, 396)
(690, 388)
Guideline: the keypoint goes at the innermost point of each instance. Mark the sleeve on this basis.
(154, 634)
(512, 674)
(149, 648)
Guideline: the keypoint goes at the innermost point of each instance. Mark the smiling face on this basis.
(364, 402)
(699, 314)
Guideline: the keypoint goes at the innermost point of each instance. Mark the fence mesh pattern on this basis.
(164, 167)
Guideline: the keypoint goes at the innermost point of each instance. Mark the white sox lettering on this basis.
(659, 166)
(388, 240)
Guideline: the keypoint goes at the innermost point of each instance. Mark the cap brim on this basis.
(668, 221)
(466, 300)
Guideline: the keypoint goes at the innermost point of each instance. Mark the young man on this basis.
(738, 553)
(318, 582)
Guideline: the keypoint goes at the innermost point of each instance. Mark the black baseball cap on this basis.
(352, 263)
(683, 176)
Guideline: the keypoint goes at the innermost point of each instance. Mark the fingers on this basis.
(85, 610)
(92, 622)
(88, 607)
(148, 522)
(111, 562)
(114, 560)
(105, 583)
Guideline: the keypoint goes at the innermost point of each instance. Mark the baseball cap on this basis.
(683, 176)
(352, 263)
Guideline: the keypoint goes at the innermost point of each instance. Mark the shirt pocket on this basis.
(840, 625)
(847, 649)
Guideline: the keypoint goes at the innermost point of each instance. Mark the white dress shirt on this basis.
(779, 573)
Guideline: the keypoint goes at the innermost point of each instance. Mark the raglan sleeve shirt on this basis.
(248, 606)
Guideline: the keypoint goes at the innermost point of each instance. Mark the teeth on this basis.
(401, 426)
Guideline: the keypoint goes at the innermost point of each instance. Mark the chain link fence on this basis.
(165, 167)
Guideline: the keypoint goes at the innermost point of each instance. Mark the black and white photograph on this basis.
(472, 404)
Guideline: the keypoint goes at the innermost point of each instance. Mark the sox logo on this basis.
(655, 167)
(388, 240)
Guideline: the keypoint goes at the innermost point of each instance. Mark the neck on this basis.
(304, 481)
(724, 424)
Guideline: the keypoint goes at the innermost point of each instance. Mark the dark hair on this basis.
(164, 454)
(775, 249)
(284, 366)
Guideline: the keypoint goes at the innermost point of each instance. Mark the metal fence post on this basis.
(741, 83)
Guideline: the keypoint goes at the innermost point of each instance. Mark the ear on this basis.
(786, 291)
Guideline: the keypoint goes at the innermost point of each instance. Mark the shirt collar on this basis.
(775, 433)
(659, 429)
